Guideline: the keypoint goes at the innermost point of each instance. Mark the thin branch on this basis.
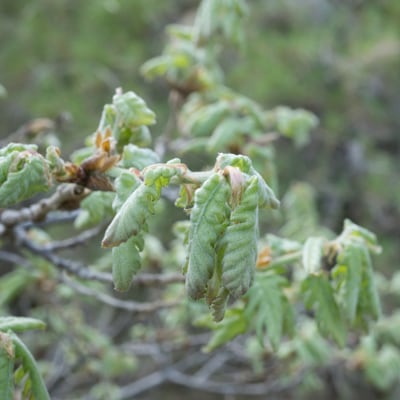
(73, 241)
(116, 303)
(65, 194)
(14, 259)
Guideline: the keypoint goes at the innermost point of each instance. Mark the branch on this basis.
(81, 270)
(66, 195)
(116, 303)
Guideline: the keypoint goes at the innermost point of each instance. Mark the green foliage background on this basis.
(338, 59)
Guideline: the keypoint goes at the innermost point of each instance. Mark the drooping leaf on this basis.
(204, 118)
(6, 367)
(20, 324)
(37, 385)
(230, 130)
(137, 157)
(126, 263)
(208, 220)
(369, 303)
(125, 184)
(22, 174)
(235, 323)
(349, 273)
(240, 243)
(269, 308)
(312, 254)
(95, 208)
(318, 296)
(132, 110)
(132, 217)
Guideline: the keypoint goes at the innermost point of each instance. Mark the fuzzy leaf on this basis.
(126, 263)
(230, 130)
(312, 254)
(22, 175)
(349, 272)
(208, 219)
(95, 208)
(204, 119)
(125, 184)
(38, 387)
(318, 295)
(20, 324)
(137, 157)
(131, 218)
(240, 243)
(235, 323)
(6, 367)
(132, 110)
(269, 308)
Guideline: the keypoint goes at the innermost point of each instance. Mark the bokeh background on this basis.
(337, 58)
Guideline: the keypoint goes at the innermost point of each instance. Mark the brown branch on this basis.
(81, 270)
(131, 306)
(65, 195)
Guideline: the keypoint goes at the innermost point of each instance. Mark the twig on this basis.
(14, 259)
(65, 194)
(116, 303)
(73, 241)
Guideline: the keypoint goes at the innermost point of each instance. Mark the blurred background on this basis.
(337, 58)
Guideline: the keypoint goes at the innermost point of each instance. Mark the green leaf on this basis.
(22, 174)
(126, 263)
(318, 295)
(240, 243)
(208, 220)
(205, 119)
(235, 323)
(295, 124)
(6, 367)
(132, 110)
(269, 308)
(136, 157)
(38, 386)
(12, 283)
(132, 217)
(312, 254)
(95, 208)
(369, 303)
(230, 130)
(349, 273)
(126, 183)
(20, 324)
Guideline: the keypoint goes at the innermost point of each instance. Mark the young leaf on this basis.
(235, 323)
(269, 308)
(318, 295)
(6, 367)
(126, 263)
(131, 218)
(137, 157)
(132, 110)
(95, 208)
(22, 174)
(125, 184)
(349, 272)
(369, 303)
(20, 324)
(208, 219)
(240, 243)
(312, 254)
(38, 386)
